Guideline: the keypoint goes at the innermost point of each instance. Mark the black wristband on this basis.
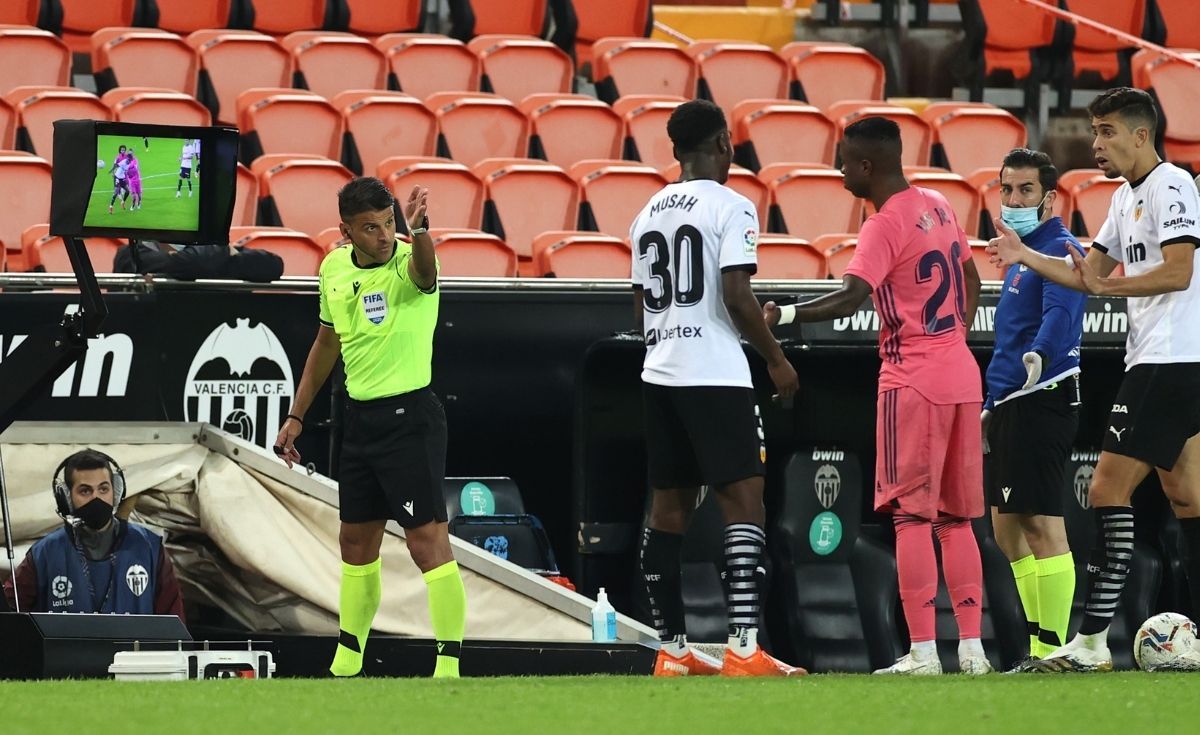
(295, 418)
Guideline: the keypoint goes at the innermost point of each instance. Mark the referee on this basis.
(1031, 412)
(379, 307)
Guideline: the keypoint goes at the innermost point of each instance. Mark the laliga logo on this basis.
(1083, 480)
(241, 381)
(60, 587)
(828, 484)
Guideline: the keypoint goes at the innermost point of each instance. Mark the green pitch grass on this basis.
(159, 168)
(1127, 703)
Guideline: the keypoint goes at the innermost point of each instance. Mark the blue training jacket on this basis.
(65, 582)
(1035, 314)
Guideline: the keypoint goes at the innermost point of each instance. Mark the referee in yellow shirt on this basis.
(379, 308)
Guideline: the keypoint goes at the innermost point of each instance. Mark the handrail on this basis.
(659, 25)
(1080, 20)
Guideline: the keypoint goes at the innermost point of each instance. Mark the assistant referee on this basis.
(379, 308)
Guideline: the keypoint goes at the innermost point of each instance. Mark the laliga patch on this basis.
(750, 241)
(375, 306)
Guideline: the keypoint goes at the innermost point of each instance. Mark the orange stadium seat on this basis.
(809, 202)
(133, 57)
(781, 131)
(288, 121)
(82, 18)
(384, 124)
(1012, 35)
(625, 66)
(573, 254)
(185, 16)
(32, 57)
(20, 12)
(375, 18)
(616, 18)
(245, 204)
(915, 133)
(1175, 84)
(38, 108)
(281, 17)
(301, 254)
(838, 249)
(422, 64)
(25, 192)
(967, 137)
(783, 256)
(983, 263)
(646, 127)
(824, 73)
(565, 129)
(732, 71)
(232, 62)
(964, 198)
(1088, 203)
(615, 191)
(300, 193)
(743, 181)
(330, 239)
(46, 252)
(475, 126)
(158, 107)
(471, 253)
(455, 194)
(987, 182)
(1098, 52)
(1179, 17)
(526, 17)
(518, 67)
(8, 125)
(528, 198)
(1067, 180)
(329, 63)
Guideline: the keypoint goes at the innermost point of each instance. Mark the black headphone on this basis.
(62, 493)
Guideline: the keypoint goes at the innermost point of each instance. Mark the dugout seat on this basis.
(644, 66)
(45, 252)
(38, 108)
(380, 125)
(301, 254)
(20, 13)
(158, 107)
(575, 254)
(143, 57)
(186, 16)
(473, 253)
(614, 192)
(964, 199)
(809, 202)
(245, 204)
(374, 18)
(82, 18)
(566, 129)
(300, 193)
(915, 133)
(824, 73)
(32, 57)
(458, 196)
(646, 127)
(613, 19)
(329, 63)
(778, 131)
(968, 137)
(518, 67)
(1099, 53)
(525, 198)
(783, 256)
(471, 18)
(489, 513)
(288, 121)
(422, 65)
(232, 62)
(281, 17)
(25, 191)
(1174, 84)
(839, 587)
(474, 126)
(731, 72)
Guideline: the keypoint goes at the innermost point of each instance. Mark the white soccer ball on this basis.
(1167, 642)
(100, 163)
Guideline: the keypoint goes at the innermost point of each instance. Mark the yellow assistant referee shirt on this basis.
(384, 321)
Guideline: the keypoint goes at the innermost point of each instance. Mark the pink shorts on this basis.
(135, 185)
(928, 457)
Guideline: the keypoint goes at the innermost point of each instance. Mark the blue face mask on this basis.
(1022, 220)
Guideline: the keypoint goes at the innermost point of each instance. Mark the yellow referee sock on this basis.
(1055, 592)
(357, 603)
(1024, 572)
(448, 613)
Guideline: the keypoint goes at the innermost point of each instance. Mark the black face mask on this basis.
(95, 514)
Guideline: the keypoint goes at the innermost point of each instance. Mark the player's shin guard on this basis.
(1107, 568)
(661, 575)
(744, 544)
(916, 567)
(963, 572)
(448, 613)
(357, 603)
(1025, 575)
(1190, 528)
(1055, 590)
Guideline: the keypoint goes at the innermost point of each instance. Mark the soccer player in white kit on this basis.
(189, 156)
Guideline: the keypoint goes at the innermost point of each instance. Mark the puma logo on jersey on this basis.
(1175, 189)
(1116, 433)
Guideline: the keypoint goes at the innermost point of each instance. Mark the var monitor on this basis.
(144, 182)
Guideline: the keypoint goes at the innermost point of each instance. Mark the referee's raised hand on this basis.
(415, 208)
(285, 442)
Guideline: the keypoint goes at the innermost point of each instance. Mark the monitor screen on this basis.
(148, 183)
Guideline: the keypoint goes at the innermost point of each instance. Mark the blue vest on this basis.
(67, 584)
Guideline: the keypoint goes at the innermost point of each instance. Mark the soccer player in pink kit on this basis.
(135, 180)
(914, 261)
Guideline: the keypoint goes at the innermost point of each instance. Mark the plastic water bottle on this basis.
(604, 619)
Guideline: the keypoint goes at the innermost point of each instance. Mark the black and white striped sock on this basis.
(744, 544)
(662, 577)
(1107, 568)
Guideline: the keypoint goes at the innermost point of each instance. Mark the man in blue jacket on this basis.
(95, 563)
(1031, 414)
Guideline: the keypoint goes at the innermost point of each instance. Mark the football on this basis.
(1166, 642)
(100, 163)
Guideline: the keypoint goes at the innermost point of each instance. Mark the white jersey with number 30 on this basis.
(1164, 206)
(683, 239)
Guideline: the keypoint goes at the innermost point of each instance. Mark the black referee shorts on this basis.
(702, 435)
(1157, 409)
(393, 460)
(1031, 438)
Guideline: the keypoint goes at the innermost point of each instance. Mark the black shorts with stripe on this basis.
(702, 435)
(1031, 438)
(1156, 411)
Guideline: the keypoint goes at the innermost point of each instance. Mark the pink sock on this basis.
(917, 568)
(963, 572)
